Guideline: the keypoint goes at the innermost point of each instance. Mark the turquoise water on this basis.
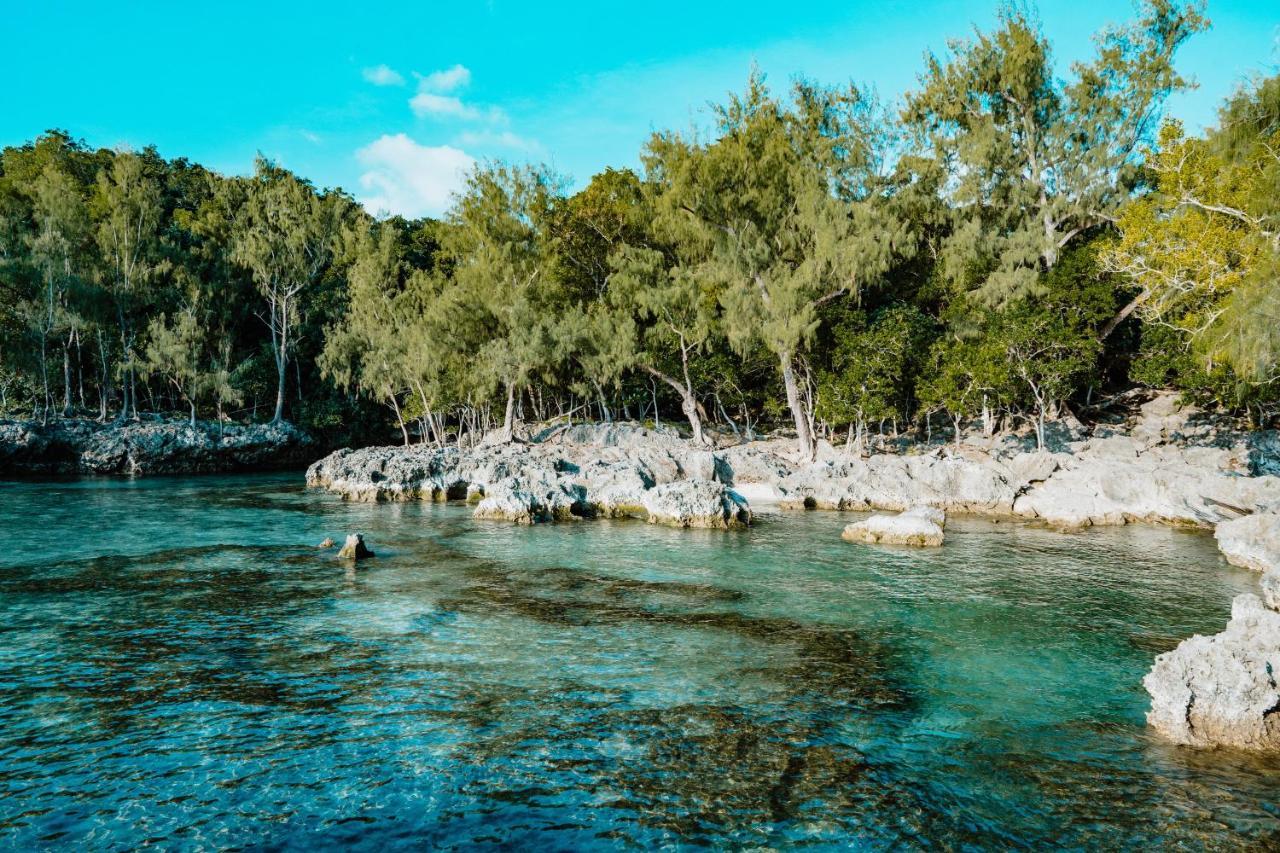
(178, 666)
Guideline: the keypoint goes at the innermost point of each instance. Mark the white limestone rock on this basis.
(920, 526)
(1222, 690)
(1252, 542)
(696, 503)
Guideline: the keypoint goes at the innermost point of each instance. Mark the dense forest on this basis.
(1000, 247)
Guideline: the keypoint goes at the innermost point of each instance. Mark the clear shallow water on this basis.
(178, 666)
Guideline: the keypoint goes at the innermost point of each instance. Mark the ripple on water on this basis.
(179, 667)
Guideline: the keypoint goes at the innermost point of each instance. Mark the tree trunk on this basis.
(395, 405)
(280, 388)
(509, 418)
(804, 438)
(44, 375)
(688, 403)
(193, 412)
(66, 379)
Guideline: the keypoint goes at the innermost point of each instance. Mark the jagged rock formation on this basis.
(579, 472)
(919, 526)
(1252, 542)
(1222, 690)
(1170, 468)
(147, 447)
(354, 548)
(696, 503)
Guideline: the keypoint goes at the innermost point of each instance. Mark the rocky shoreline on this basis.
(1166, 466)
(81, 446)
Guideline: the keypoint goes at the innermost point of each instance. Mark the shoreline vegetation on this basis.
(932, 298)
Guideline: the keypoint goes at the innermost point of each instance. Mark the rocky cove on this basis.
(1167, 465)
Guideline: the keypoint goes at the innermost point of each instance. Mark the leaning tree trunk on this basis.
(804, 437)
(688, 403)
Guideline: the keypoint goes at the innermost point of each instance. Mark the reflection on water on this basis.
(179, 666)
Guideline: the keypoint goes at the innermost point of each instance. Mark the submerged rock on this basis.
(696, 503)
(1221, 690)
(354, 548)
(1252, 542)
(919, 526)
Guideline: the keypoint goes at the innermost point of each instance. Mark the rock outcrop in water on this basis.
(602, 471)
(1222, 690)
(1166, 468)
(354, 548)
(80, 446)
(920, 526)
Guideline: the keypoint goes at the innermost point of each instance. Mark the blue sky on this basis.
(392, 101)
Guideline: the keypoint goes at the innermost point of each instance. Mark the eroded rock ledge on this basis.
(1150, 474)
(78, 446)
(609, 471)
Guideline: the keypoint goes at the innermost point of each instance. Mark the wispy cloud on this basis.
(426, 104)
(503, 139)
(383, 75)
(446, 80)
(313, 138)
(435, 101)
(406, 178)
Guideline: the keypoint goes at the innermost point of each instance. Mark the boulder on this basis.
(1222, 690)
(919, 526)
(354, 548)
(696, 503)
(1252, 542)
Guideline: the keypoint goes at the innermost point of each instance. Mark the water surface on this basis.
(179, 666)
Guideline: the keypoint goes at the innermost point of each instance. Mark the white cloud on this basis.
(505, 139)
(428, 104)
(457, 77)
(383, 75)
(313, 138)
(409, 179)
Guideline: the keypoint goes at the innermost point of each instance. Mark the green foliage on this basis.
(874, 365)
(1035, 163)
(1204, 245)
(805, 260)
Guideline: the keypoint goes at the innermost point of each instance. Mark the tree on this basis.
(1204, 246)
(873, 367)
(1049, 350)
(129, 206)
(285, 236)
(173, 352)
(784, 214)
(368, 349)
(56, 247)
(662, 313)
(1036, 163)
(503, 258)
